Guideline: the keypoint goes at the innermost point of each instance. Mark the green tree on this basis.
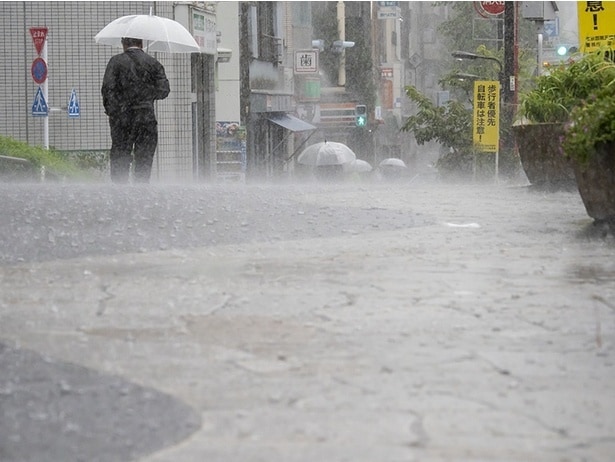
(460, 32)
(465, 30)
(450, 125)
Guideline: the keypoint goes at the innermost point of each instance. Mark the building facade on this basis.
(408, 51)
(248, 103)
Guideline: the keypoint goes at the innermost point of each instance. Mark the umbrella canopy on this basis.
(326, 153)
(393, 162)
(158, 33)
(358, 166)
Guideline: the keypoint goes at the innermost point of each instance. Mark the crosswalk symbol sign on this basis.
(73, 105)
(39, 108)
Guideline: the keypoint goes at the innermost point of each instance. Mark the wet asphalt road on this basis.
(415, 323)
(42, 222)
(57, 411)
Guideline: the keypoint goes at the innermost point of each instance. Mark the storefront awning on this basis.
(291, 123)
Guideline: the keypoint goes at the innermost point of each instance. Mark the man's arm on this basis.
(162, 83)
(109, 90)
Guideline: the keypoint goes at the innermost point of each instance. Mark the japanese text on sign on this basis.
(306, 61)
(596, 25)
(204, 31)
(486, 120)
(39, 35)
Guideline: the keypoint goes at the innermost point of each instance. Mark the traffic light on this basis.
(566, 50)
(360, 115)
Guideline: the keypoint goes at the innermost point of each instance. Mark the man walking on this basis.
(133, 81)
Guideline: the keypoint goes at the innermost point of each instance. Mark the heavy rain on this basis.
(337, 272)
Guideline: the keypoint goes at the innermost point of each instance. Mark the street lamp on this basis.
(464, 76)
(461, 55)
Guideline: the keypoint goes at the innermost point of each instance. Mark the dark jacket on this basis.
(133, 80)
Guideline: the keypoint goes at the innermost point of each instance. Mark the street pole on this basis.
(341, 29)
(509, 80)
(46, 97)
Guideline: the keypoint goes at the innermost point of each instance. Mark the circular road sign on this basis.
(39, 70)
(493, 8)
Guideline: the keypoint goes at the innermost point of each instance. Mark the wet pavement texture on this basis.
(45, 222)
(55, 411)
(401, 322)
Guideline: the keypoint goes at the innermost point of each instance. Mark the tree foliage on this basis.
(450, 125)
(458, 32)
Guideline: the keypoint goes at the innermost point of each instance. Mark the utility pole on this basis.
(509, 80)
(510, 39)
(341, 29)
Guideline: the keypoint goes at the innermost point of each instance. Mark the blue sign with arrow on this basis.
(551, 28)
(40, 108)
(73, 105)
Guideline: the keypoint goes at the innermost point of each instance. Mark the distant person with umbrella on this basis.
(133, 81)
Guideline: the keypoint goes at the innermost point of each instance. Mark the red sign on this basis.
(39, 70)
(39, 35)
(386, 72)
(493, 8)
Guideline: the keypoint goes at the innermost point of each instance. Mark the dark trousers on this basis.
(135, 130)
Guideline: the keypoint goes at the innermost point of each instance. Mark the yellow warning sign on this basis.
(596, 25)
(486, 120)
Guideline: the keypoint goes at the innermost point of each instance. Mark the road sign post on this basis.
(486, 118)
(39, 37)
(39, 70)
(490, 8)
(40, 107)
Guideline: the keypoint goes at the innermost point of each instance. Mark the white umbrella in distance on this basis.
(358, 166)
(393, 168)
(326, 153)
(393, 162)
(157, 33)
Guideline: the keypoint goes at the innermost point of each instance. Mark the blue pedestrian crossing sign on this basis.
(40, 108)
(73, 105)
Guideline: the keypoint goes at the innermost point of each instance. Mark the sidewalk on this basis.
(485, 333)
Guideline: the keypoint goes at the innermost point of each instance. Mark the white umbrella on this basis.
(393, 162)
(326, 153)
(358, 166)
(158, 33)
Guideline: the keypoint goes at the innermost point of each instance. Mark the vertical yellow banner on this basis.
(486, 120)
(596, 25)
